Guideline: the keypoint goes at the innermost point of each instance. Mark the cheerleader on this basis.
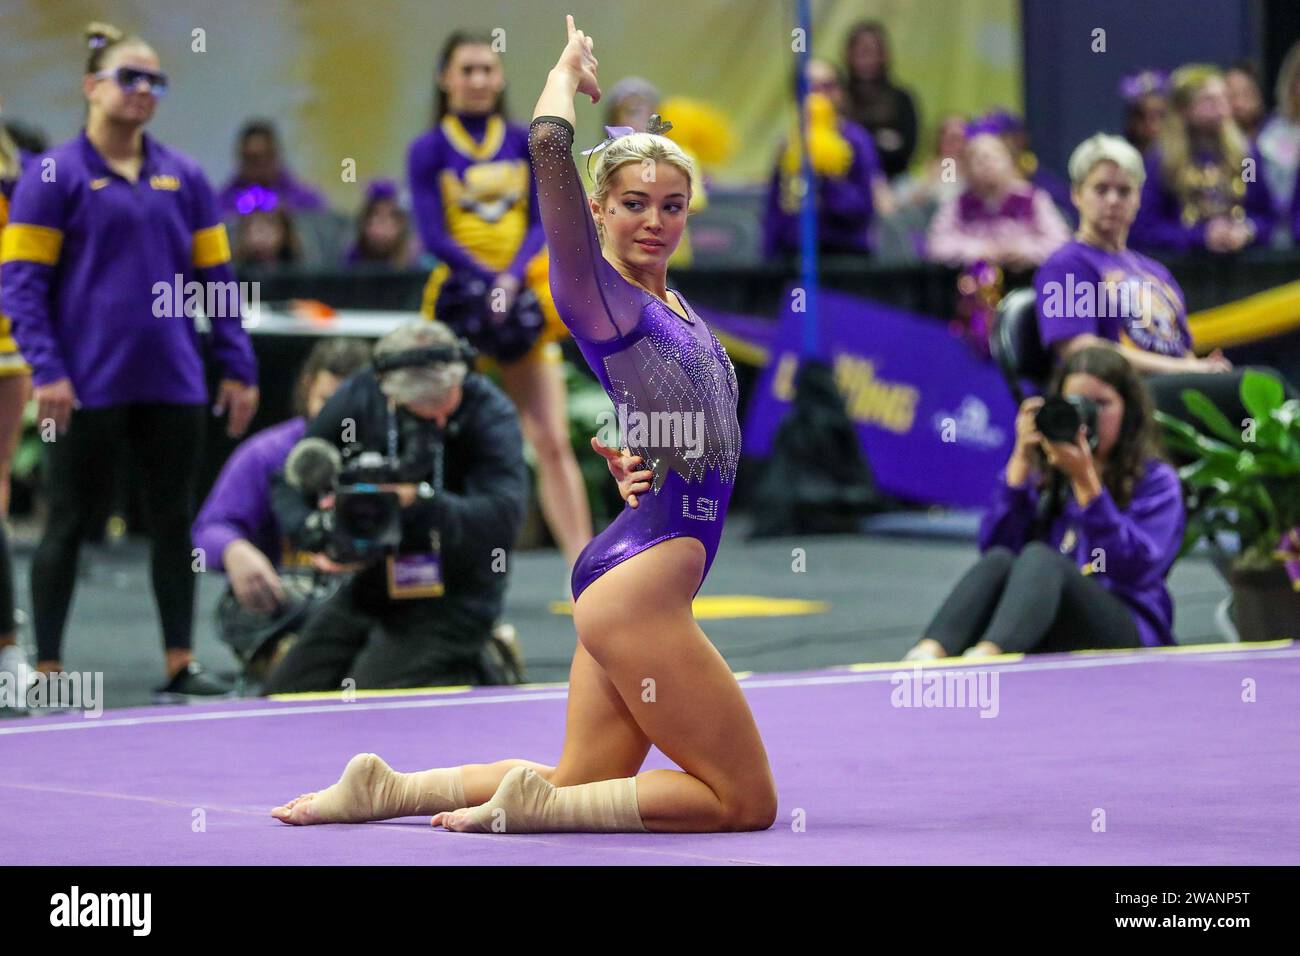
(476, 210)
(114, 363)
(15, 380)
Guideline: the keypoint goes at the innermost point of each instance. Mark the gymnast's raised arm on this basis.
(595, 302)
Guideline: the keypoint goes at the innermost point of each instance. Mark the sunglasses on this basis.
(129, 77)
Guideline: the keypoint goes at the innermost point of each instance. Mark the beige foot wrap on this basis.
(371, 790)
(527, 803)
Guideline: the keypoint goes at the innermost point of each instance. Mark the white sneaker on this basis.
(13, 661)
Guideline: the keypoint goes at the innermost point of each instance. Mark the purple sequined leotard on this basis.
(669, 377)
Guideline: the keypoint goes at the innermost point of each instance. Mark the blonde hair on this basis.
(1288, 104)
(10, 164)
(644, 148)
(1103, 148)
(101, 38)
(1176, 161)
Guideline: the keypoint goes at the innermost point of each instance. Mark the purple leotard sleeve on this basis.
(596, 303)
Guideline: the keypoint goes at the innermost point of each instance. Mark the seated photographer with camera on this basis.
(237, 529)
(1082, 531)
(412, 483)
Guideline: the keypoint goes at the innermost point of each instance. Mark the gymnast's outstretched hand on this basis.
(630, 483)
(579, 61)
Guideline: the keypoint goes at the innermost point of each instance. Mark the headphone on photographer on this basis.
(462, 351)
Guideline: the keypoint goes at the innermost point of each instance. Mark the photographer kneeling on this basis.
(412, 480)
(1083, 529)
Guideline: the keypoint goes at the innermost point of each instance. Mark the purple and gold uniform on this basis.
(660, 369)
(11, 360)
(1175, 220)
(476, 209)
(81, 264)
(239, 505)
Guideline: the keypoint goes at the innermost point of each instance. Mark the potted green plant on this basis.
(1246, 479)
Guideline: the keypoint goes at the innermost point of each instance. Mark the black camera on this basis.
(1060, 416)
(366, 520)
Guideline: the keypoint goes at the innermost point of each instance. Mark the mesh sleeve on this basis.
(595, 302)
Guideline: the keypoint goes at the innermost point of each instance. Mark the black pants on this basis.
(379, 643)
(166, 442)
(7, 624)
(1034, 601)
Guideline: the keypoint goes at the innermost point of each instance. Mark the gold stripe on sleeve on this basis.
(21, 242)
(211, 247)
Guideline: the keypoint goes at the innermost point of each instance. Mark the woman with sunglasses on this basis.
(96, 227)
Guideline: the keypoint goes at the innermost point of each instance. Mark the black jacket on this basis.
(479, 511)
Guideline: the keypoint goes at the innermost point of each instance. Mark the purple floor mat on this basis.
(1162, 744)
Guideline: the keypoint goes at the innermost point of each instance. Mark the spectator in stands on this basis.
(1146, 103)
(1201, 192)
(999, 218)
(848, 179)
(886, 111)
(266, 237)
(1246, 98)
(1095, 291)
(237, 529)
(259, 164)
(384, 234)
(631, 102)
(1279, 140)
(940, 177)
(1014, 133)
(1087, 568)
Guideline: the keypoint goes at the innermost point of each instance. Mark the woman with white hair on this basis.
(1094, 289)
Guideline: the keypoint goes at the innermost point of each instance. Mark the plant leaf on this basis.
(1261, 394)
(1204, 409)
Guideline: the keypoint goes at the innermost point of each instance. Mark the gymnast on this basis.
(643, 672)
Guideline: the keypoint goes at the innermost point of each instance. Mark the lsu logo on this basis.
(705, 509)
(168, 183)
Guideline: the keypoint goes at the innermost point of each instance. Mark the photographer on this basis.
(1082, 531)
(420, 504)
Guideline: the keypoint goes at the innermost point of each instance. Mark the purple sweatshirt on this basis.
(1163, 223)
(81, 265)
(477, 214)
(1138, 545)
(845, 205)
(239, 505)
(1120, 296)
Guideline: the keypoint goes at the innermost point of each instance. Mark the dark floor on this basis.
(879, 592)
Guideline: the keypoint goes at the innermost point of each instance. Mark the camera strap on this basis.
(415, 575)
(394, 459)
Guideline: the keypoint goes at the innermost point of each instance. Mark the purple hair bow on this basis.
(611, 133)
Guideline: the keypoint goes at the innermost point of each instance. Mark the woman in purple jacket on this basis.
(101, 230)
(1092, 572)
(236, 528)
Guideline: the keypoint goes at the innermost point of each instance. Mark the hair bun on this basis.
(99, 34)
